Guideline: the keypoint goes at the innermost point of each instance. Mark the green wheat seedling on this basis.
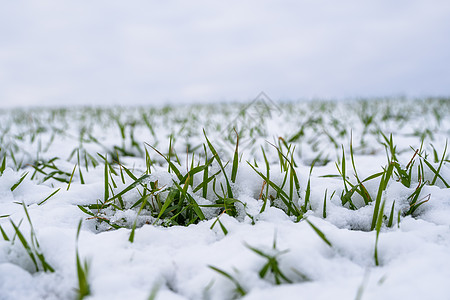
(351, 188)
(54, 171)
(308, 191)
(71, 177)
(379, 223)
(404, 175)
(287, 166)
(272, 266)
(143, 201)
(17, 164)
(377, 211)
(4, 235)
(414, 201)
(32, 246)
(239, 290)
(84, 288)
(224, 229)
(437, 171)
(265, 196)
(324, 209)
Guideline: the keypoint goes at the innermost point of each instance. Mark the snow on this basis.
(414, 254)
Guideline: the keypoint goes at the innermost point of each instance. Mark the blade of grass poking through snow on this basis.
(435, 154)
(190, 174)
(391, 216)
(381, 188)
(144, 202)
(324, 211)
(191, 201)
(291, 208)
(205, 174)
(414, 201)
(319, 233)
(25, 245)
(343, 170)
(219, 161)
(439, 168)
(154, 189)
(239, 289)
(15, 185)
(4, 235)
(79, 168)
(308, 190)
(378, 228)
(171, 164)
(364, 193)
(138, 181)
(15, 235)
(35, 244)
(71, 177)
(32, 247)
(3, 165)
(83, 289)
(346, 195)
(265, 182)
(148, 163)
(170, 152)
(272, 265)
(292, 165)
(224, 230)
(293, 179)
(204, 184)
(235, 159)
(48, 197)
(167, 203)
(106, 178)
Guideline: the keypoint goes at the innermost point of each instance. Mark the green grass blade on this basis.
(391, 215)
(239, 288)
(378, 228)
(48, 197)
(319, 233)
(71, 177)
(235, 160)
(439, 168)
(4, 235)
(130, 187)
(83, 289)
(3, 166)
(26, 245)
(15, 185)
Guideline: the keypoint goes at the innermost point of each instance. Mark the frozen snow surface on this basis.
(303, 200)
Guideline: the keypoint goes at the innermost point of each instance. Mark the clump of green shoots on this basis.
(272, 265)
(287, 166)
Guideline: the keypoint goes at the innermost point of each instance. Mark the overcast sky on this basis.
(153, 52)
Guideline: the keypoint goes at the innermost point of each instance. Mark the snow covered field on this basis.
(307, 200)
